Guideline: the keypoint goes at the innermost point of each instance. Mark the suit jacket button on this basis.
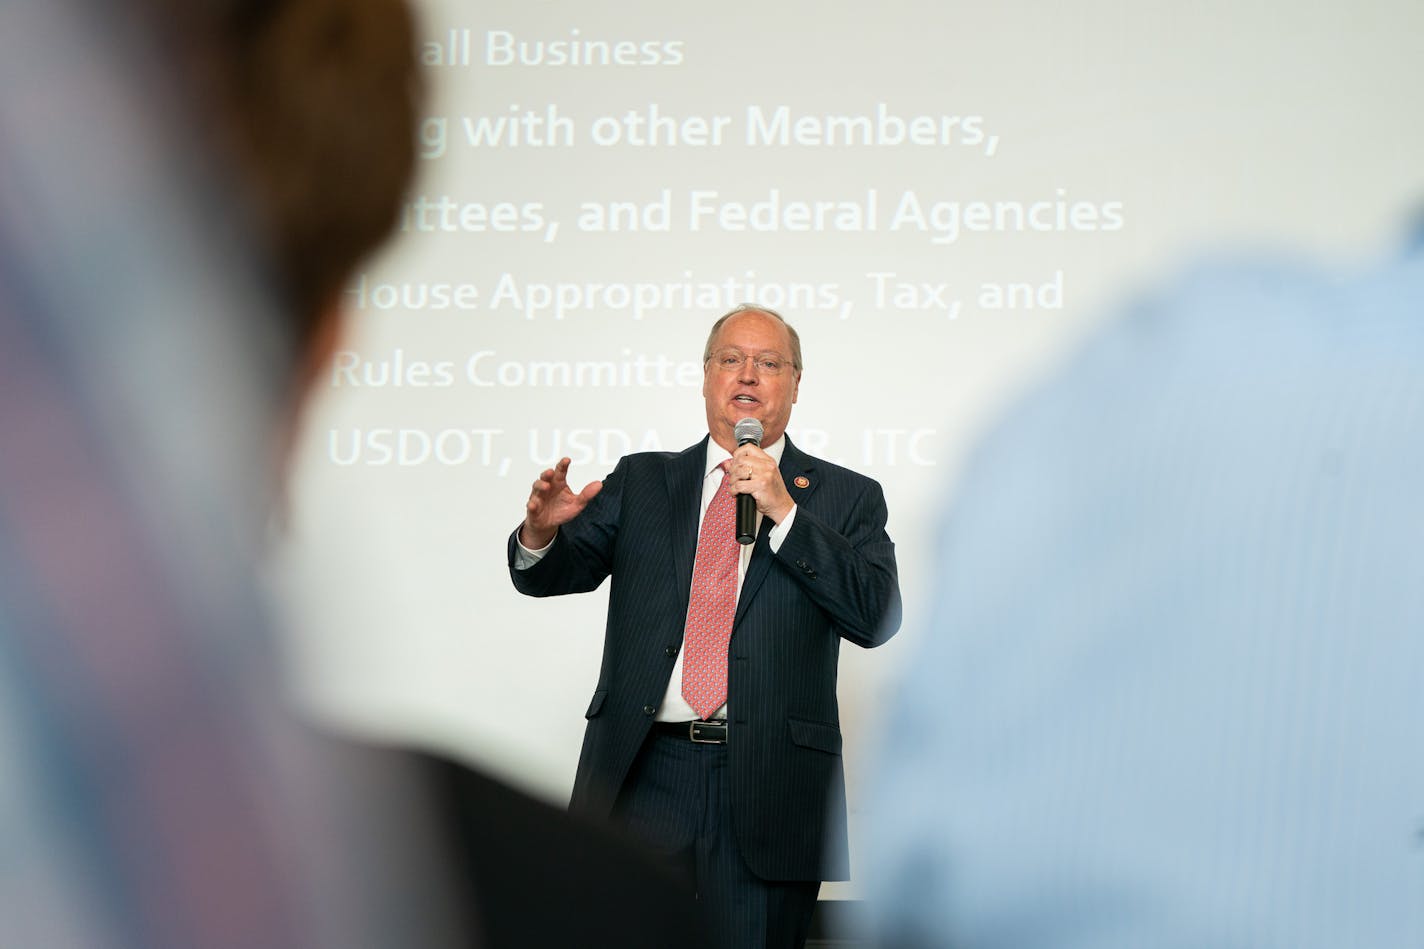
(649, 710)
(671, 651)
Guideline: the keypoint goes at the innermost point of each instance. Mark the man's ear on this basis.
(310, 366)
(328, 330)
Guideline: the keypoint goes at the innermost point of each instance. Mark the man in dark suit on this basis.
(714, 731)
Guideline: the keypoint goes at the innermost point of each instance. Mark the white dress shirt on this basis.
(674, 707)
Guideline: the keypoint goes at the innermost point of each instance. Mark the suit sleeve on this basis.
(850, 573)
(582, 553)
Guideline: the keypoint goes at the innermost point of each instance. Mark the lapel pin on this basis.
(802, 481)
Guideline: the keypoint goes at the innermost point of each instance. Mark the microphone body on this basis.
(747, 432)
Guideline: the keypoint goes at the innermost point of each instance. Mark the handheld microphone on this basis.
(747, 432)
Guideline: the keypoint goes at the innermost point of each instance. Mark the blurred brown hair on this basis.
(312, 103)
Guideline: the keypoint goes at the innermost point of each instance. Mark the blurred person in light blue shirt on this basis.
(1172, 690)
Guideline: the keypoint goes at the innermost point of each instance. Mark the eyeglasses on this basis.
(732, 360)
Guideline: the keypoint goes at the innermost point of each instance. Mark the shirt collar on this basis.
(716, 454)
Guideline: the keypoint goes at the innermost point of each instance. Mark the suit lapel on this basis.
(796, 470)
(684, 486)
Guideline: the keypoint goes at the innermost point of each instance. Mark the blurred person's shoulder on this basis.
(545, 877)
(1250, 324)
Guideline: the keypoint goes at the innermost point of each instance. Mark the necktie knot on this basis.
(712, 605)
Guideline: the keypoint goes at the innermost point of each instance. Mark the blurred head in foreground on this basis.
(183, 189)
(307, 108)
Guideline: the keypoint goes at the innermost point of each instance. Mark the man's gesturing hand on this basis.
(551, 503)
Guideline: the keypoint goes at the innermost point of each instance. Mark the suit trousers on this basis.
(677, 802)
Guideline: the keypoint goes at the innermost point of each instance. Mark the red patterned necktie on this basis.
(713, 603)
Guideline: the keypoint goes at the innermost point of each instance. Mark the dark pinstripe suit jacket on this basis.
(834, 576)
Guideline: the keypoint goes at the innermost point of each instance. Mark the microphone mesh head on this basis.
(748, 430)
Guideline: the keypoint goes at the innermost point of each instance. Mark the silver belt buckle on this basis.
(692, 732)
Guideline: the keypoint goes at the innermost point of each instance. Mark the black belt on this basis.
(703, 733)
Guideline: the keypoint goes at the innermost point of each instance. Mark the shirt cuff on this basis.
(524, 558)
(779, 531)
